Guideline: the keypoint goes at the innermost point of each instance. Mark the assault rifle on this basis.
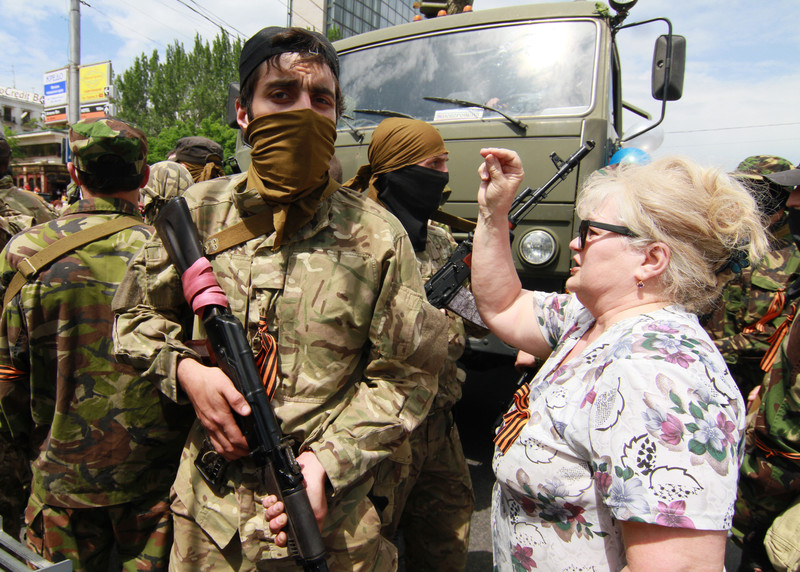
(443, 286)
(270, 451)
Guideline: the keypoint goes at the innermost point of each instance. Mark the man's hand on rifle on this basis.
(315, 479)
(501, 174)
(214, 397)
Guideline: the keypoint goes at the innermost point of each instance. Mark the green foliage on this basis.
(12, 141)
(335, 33)
(185, 94)
(160, 145)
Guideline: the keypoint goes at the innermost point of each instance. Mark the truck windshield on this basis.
(530, 69)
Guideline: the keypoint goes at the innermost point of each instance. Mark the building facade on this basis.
(345, 18)
(22, 110)
(39, 157)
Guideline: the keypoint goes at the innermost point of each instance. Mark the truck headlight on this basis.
(537, 247)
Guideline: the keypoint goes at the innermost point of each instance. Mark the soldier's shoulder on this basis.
(357, 207)
(212, 191)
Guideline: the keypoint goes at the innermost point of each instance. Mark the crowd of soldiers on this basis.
(108, 410)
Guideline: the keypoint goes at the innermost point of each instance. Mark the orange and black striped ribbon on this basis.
(775, 340)
(774, 310)
(770, 452)
(267, 358)
(10, 374)
(514, 420)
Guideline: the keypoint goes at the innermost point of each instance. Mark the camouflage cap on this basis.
(756, 166)
(106, 145)
(198, 150)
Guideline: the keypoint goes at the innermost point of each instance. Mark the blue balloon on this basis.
(629, 155)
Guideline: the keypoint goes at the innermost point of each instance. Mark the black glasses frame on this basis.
(583, 230)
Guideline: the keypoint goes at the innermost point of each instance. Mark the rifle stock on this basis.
(442, 287)
(270, 451)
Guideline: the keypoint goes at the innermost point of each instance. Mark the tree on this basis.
(185, 94)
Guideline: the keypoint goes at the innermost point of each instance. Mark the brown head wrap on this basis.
(396, 143)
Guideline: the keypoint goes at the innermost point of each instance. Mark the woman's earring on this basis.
(640, 284)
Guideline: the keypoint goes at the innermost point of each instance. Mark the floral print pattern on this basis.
(644, 425)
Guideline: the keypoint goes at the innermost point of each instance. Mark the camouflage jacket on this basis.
(102, 432)
(20, 210)
(438, 249)
(358, 345)
(745, 301)
(769, 479)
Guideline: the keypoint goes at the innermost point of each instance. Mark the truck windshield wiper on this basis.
(384, 112)
(514, 121)
(357, 135)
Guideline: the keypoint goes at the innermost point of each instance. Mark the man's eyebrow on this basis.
(318, 88)
(282, 82)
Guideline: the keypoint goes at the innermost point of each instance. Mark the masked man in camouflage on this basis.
(201, 156)
(106, 441)
(332, 277)
(428, 489)
(769, 479)
(753, 312)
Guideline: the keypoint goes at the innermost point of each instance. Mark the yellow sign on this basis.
(95, 80)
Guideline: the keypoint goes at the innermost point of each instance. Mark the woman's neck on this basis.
(605, 320)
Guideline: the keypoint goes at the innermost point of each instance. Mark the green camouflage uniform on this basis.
(746, 299)
(430, 492)
(358, 349)
(19, 210)
(769, 479)
(168, 180)
(107, 441)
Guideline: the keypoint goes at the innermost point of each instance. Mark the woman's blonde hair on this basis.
(704, 216)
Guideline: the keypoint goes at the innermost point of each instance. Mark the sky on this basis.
(741, 92)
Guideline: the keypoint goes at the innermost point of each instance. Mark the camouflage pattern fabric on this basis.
(93, 141)
(20, 210)
(358, 349)
(104, 436)
(745, 300)
(351, 532)
(140, 532)
(168, 180)
(426, 487)
(769, 479)
(759, 165)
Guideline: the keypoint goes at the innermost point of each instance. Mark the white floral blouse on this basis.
(645, 425)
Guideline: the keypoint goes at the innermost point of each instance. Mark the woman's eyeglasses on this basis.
(583, 230)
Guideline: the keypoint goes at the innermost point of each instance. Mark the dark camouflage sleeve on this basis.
(152, 319)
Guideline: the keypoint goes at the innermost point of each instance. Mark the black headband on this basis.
(261, 47)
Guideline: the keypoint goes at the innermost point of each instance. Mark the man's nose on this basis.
(793, 202)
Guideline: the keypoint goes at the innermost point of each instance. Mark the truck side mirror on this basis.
(676, 65)
(233, 95)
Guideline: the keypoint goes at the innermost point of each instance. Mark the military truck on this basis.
(539, 79)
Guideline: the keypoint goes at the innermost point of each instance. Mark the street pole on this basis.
(74, 61)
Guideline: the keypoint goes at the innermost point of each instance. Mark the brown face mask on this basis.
(289, 165)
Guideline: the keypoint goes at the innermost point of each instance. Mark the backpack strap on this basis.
(28, 268)
(241, 232)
